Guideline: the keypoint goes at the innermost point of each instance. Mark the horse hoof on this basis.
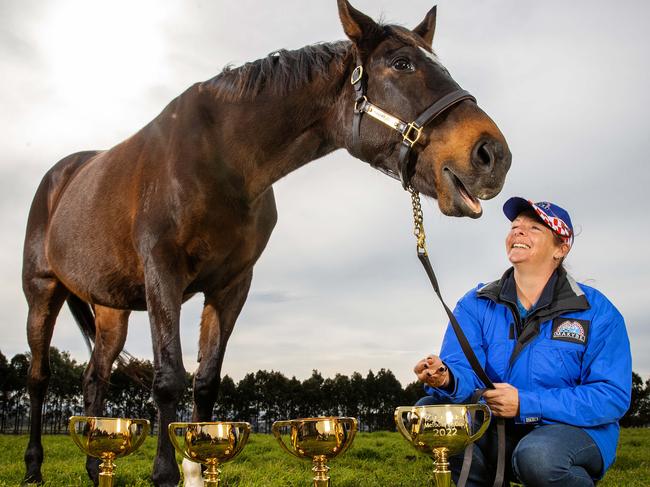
(92, 468)
(32, 479)
(192, 474)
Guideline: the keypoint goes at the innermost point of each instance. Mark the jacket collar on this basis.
(561, 293)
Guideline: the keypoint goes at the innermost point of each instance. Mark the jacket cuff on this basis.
(444, 394)
(530, 408)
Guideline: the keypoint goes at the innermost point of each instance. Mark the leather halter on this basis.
(410, 132)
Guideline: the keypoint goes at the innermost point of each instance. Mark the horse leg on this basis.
(164, 292)
(111, 328)
(217, 322)
(45, 296)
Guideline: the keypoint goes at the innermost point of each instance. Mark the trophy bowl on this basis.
(210, 443)
(441, 431)
(318, 440)
(107, 439)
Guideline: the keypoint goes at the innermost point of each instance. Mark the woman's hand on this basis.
(432, 371)
(503, 400)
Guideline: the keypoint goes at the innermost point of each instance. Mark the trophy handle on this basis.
(171, 429)
(73, 430)
(143, 436)
(487, 417)
(245, 431)
(351, 434)
(278, 436)
(399, 421)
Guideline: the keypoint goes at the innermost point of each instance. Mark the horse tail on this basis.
(85, 319)
(83, 315)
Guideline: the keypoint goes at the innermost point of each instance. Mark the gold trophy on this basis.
(441, 431)
(108, 438)
(318, 440)
(210, 443)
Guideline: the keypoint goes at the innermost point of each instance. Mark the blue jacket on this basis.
(570, 358)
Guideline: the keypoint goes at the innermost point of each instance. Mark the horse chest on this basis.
(227, 248)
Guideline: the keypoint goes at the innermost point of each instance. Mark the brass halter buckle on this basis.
(412, 133)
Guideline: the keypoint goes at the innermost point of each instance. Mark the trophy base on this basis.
(441, 472)
(106, 473)
(211, 478)
(320, 469)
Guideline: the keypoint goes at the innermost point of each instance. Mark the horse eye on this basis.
(402, 64)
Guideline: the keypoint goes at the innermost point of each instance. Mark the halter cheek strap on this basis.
(410, 132)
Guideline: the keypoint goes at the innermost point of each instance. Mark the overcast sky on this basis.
(339, 288)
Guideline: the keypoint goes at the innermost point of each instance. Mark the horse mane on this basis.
(282, 71)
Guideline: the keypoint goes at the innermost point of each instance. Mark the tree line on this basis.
(259, 398)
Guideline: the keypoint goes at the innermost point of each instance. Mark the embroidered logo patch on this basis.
(570, 330)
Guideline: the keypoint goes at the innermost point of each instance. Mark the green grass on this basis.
(375, 459)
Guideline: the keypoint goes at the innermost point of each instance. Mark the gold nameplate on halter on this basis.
(386, 118)
(410, 131)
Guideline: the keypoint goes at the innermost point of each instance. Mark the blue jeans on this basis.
(540, 456)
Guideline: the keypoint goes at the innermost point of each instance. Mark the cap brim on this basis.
(515, 205)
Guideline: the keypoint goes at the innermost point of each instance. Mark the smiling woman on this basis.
(557, 353)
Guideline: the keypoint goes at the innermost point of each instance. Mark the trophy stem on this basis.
(321, 477)
(211, 475)
(441, 472)
(106, 472)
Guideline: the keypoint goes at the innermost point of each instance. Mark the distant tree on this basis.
(355, 403)
(16, 384)
(370, 402)
(340, 392)
(389, 393)
(64, 392)
(412, 393)
(639, 412)
(225, 406)
(272, 391)
(312, 396)
(5, 391)
(247, 406)
(129, 398)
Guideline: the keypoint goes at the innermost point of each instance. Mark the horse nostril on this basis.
(483, 155)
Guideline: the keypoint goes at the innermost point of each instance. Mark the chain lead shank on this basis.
(418, 222)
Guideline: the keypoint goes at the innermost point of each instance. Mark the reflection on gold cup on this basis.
(317, 439)
(108, 438)
(442, 430)
(210, 443)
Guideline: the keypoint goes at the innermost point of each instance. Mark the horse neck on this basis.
(276, 134)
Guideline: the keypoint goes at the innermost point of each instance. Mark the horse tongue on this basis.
(473, 203)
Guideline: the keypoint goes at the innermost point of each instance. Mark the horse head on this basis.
(458, 157)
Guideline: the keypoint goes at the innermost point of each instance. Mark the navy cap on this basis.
(554, 216)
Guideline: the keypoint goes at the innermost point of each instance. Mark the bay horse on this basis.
(186, 204)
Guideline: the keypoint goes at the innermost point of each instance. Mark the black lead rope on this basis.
(480, 372)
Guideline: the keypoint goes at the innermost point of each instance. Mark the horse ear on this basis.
(360, 28)
(427, 27)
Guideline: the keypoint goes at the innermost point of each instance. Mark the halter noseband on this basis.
(410, 132)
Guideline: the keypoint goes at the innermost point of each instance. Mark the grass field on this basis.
(375, 459)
